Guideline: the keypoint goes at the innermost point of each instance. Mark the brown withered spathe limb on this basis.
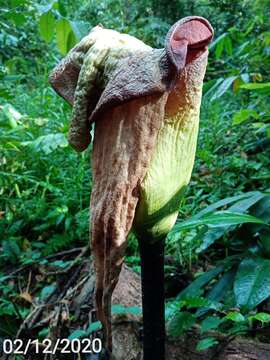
(64, 76)
(119, 163)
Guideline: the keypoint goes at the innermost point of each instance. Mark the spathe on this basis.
(135, 95)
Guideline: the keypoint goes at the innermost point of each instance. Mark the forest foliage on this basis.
(221, 242)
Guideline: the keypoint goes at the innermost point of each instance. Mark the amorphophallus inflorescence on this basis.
(145, 104)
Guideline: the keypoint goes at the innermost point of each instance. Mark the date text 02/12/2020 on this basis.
(47, 346)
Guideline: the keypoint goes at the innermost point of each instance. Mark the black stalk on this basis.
(152, 272)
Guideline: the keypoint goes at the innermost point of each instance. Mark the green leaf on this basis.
(262, 209)
(218, 44)
(46, 26)
(223, 87)
(228, 45)
(120, 309)
(77, 334)
(265, 240)
(219, 290)
(12, 115)
(47, 143)
(61, 7)
(268, 130)
(206, 343)
(226, 201)
(218, 219)
(224, 284)
(45, 8)
(245, 204)
(195, 302)
(241, 206)
(256, 86)
(5, 94)
(243, 115)
(211, 322)
(222, 218)
(71, 41)
(16, 3)
(211, 89)
(4, 278)
(11, 250)
(219, 49)
(47, 291)
(180, 322)
(60, 263)
(217, 41)
(43, 333)
(80, 28)
(252, 285)
(65, 36)
(194, 289)
(18, 18)
(263, 317)
(95, 326)
(235, 316)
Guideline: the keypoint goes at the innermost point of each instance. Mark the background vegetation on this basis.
(220, 246)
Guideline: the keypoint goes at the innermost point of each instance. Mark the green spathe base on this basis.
(168, 175)
(157, 225)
